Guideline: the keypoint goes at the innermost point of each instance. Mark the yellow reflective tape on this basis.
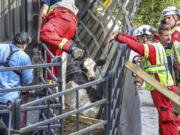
(62, 43)
(106, 3)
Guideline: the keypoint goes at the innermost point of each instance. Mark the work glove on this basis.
(77, 53)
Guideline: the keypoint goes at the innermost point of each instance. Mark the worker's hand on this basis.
(112, 36)
(137, 88)
(77, 53)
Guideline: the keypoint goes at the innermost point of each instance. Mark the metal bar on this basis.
(106, 127)
(77, 107)
(48, 70)
(60, 97)
(47, 50)
(4, 111)
(48, 90)
(29, 67)
(63, 92)
(46, 127)
(85, 130)
(30, 127)
(29, 87)
(40, 107)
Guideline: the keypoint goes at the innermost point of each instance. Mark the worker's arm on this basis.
(129, 36)
(26, 74)
(134, 45)
(42, 14)
(114, 34)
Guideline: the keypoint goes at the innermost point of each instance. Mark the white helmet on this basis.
(170, 11)
(143, 30)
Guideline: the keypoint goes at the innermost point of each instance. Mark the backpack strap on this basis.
(6, 64)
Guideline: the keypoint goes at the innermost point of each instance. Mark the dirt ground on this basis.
(70, 126)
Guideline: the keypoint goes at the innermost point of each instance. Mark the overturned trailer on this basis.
(97, 18)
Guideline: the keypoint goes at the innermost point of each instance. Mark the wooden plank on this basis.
(166, 92)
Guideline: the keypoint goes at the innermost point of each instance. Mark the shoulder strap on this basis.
(11, 53)
(9, 57)
(6, 64)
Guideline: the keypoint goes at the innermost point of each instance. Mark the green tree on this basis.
(149, 11)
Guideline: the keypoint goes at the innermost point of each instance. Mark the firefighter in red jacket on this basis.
(57, 26)
(172, 18)
(155, 63)
(142, 34)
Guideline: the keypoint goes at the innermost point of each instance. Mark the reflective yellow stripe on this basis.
(52, 7)
(177, 50)
(62, 43)
(146, 50)
(106, 3)
(178, 128)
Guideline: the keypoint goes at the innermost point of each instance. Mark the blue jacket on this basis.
(9, 79)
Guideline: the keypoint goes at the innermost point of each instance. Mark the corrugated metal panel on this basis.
(13, 18)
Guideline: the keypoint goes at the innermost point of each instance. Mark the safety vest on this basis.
(161, 67)
(176, 46)
(69, 4)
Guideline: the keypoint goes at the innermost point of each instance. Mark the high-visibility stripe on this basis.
(150, 66)
(106, 3)
(62, 43)
(177, 50)
(178, 128)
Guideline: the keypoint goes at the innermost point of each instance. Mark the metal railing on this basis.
(93, 29)
(112, 89)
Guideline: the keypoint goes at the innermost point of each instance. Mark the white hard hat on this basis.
(143, 30)
(170, 11)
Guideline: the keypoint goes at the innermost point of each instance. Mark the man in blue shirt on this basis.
(12, 55)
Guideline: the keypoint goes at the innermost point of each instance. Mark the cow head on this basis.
(90, 67)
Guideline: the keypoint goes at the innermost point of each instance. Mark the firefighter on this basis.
(57, 26)
(171, 15)
(155, 64)
(142, 34)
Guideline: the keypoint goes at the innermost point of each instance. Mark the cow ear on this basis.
(100, 62)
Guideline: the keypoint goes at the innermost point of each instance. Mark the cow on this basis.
(78, 73)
